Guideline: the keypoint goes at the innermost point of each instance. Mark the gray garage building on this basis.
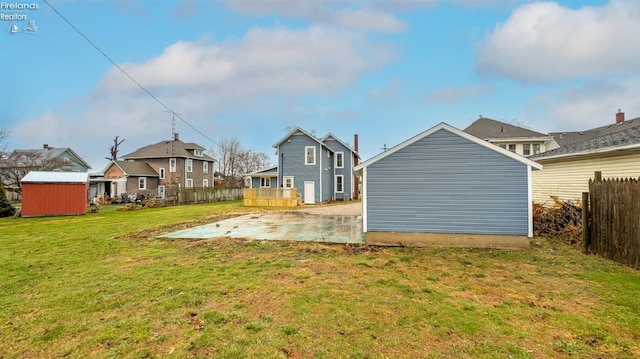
(446, 187)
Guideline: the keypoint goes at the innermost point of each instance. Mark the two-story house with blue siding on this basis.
(320, 169)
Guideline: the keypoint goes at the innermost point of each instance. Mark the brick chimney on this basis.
(176, 137)
(619, 117)
(45, 147)
(356, 179)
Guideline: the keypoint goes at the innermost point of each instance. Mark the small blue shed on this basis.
(446, 187)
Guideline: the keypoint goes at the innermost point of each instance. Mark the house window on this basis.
(512, 147)
(197, 153)
(536, 148)
(142, 183)
(189, 183)
(309, 155)
(161, 191)
(205, 167)
(172, 164)
(287, 182)
(339, 183)
(526, 149)
(205, 183)
(339, 159)
(189, 165)
(265, 182)
(161, 172)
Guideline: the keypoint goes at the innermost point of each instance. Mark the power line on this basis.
(167, 108)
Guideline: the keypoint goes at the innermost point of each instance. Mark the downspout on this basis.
(529, 203)
(320, 154)
(280, 168)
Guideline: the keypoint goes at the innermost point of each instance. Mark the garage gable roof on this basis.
(455, 131)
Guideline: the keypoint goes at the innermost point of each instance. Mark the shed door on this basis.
(309, 192)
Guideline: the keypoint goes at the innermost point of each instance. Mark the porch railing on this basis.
(271, 197)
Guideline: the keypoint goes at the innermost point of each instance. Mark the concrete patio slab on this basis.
(291, 226)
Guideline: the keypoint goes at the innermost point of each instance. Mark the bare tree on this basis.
(6, 209)
(4, 134)
(232, 160)
(17, 164)
(113, 150)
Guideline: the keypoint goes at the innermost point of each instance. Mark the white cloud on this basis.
(330, 13)
(591, 105)
(453, 94)
(543, 41)
(266, 62)
(209, 84)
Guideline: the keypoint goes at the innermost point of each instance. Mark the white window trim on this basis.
(142, 183)
(161, 191)
(265, 182)
(162, 172)
(189, 165)
(306, 148)
(189, 183)
(205, 167)
(341, 155)
(335, 183)
(173, 165)
(284, 182)
(205, 182)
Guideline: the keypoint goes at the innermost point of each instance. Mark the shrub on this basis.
(6, 209)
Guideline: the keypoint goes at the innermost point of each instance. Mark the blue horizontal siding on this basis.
(444, 183)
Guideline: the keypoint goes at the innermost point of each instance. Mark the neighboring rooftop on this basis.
(569, 138)
(163, 149)
(625, 137)
(486, 128)
(136, 168)
(49, 152)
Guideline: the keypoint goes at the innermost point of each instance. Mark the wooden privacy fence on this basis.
(271, 197)
(611, 212)
(195, 195)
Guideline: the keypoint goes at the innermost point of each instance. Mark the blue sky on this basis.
(249, 69)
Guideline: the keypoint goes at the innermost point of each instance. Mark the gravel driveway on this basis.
(349, 209)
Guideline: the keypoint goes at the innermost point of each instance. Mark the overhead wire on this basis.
(167, 108)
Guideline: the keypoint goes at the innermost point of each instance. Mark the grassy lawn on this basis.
(103, 285)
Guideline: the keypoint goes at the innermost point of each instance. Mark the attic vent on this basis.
(501, 128)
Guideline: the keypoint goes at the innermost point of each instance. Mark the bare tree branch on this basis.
(232, 160)
(17, 164)
(113, 150)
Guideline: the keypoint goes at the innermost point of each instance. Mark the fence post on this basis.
(586, 228)
(597, 176)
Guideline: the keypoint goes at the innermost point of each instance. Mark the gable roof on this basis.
(569, 138)
(52, 153)
(627, 138)
(265, 172)
(55, 177)
(455, 131)
(166, 149)
(487, 128)
(332, 136)
(137, 169)
(300, 131)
